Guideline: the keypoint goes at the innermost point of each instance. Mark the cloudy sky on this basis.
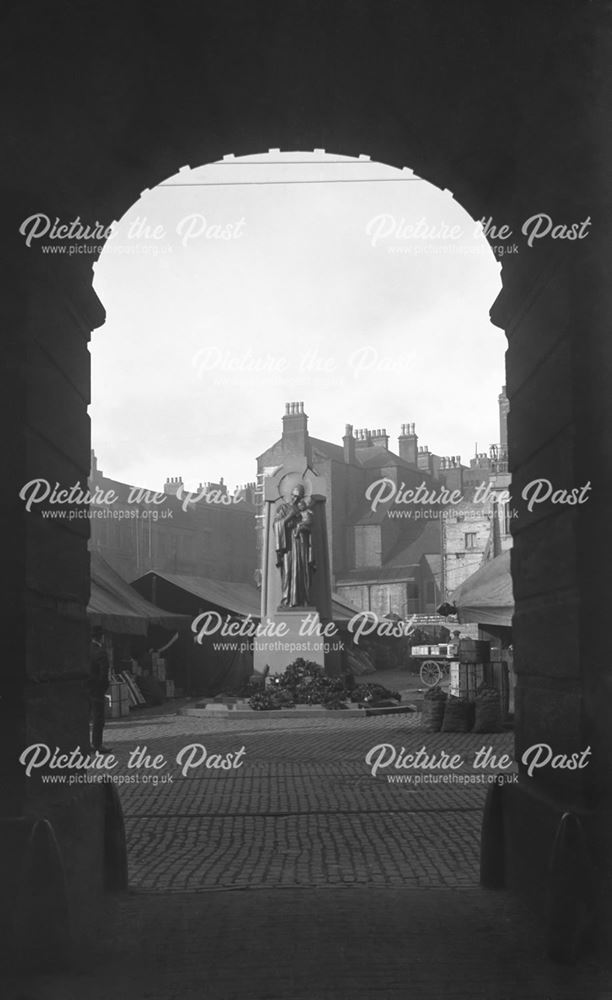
(233, 288)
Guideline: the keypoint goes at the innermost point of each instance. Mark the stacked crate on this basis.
(160, 674)
(158, 665)
(496, 675)
(467, 672)
(117, 700)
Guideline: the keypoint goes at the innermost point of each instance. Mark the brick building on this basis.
(213, 537)
(479, 528)
(389, 555)
(376, 559)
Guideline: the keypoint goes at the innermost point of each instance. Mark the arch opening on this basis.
(331, 292)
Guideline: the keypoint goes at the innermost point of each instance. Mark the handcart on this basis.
(434, 661)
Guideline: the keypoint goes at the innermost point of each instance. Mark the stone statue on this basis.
(302, 556)
(292, 527)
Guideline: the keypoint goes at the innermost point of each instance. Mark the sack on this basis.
(433, 709)
(457, 716)
(488, 711)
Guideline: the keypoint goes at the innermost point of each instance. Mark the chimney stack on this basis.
(349, 445)
(172, 485)
(408, 443)
(453, 473)
(248, 492)
(380, 438)
(295, 430)
(424, 458)
(363, 438)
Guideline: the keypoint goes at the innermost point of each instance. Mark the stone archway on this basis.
(473, 104)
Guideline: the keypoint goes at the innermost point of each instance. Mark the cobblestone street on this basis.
(303, 809)
(364, 888)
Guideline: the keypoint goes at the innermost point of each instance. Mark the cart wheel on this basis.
(430, 673)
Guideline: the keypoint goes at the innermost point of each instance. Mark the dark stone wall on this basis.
(503, 104)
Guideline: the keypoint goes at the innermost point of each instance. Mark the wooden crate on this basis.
(119, 700)
(465, 679)
(473, 651)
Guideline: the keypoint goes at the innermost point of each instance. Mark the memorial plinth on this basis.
(301, 628)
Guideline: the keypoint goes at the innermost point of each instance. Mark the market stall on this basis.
(216, 667)
(133, 627)
(486, 597)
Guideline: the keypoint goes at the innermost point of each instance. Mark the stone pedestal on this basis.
(300, 636)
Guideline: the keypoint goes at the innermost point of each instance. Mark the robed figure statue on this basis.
(292, 526)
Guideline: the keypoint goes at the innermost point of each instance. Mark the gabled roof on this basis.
(270, 448)
(434, 562)
(428, 542)
(327, 449)
(377, 457)
(373, 456)
(363, 513)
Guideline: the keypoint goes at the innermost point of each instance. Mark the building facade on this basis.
(478, 529)
(398, 537)
(213, 536)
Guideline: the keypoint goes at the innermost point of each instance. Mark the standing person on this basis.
(97, 686)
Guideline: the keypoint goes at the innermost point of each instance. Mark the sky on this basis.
(359, 289)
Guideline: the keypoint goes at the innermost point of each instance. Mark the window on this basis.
(470, 539)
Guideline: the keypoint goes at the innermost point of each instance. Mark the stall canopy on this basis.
(341, 611)
(486, 596)
(237, 598)
(187, 593)
(117, 607)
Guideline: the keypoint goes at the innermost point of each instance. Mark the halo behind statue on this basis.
(288, 483)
